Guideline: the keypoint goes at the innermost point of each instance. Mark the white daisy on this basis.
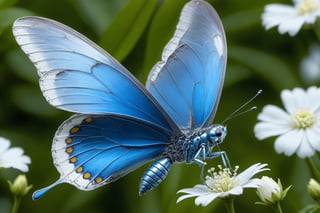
(13, 157)
(298, 127)
(310, 65)
(291, 18)
(223, 184)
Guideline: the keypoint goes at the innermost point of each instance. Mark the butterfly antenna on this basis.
(237, 112)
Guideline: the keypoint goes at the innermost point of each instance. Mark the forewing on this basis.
(187, 82)
(78, 76)
(90, 151)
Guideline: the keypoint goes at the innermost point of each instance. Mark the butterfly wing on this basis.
(189, 79)
(92, 150)
(78, 76)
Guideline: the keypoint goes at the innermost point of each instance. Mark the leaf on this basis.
(30, 100)
(269, 67)
(235, 74)
(127, 27)
(21, 65)
(161, 30)
(242, 20)
(7, 3)
(9, 15)
(98, 13)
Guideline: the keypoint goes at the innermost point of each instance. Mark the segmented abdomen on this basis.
(154, 175)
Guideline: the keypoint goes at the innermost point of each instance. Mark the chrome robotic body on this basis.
(193, 149)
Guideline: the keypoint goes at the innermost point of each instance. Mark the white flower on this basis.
(12, 157)
(310, 65)
(222, 184)
(314, 189)
(271, 192)
(291, 18)
(298, 127)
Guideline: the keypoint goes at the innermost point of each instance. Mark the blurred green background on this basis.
(135, 32)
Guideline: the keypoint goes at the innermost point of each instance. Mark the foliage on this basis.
(135, 32)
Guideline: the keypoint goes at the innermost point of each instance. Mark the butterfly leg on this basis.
(224, 158)
(201, 153)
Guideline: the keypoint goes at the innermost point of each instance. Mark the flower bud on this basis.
(270, 192)
(314, 189)
(20, 186)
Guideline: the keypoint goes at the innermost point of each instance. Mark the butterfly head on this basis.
(217, 134)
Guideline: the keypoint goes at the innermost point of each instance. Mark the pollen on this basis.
(303, 119)
(307, 7)
(223, 180)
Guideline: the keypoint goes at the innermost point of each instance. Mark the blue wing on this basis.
(91, 150)
(78, 76)
(188, 81)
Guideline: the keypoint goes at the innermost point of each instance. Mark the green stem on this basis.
(229, 205)
(277, 207)
(316, 29)
(16, 204)
(313, 169)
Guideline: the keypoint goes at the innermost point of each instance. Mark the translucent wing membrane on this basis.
(90, 151)
(78, 76)
(188, 81)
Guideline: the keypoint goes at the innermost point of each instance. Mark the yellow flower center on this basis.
(307, 6)
(303, 118)
(223, 180)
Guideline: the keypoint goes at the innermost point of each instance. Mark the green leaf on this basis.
(235, 74)
(269, 67)
(127, 27)
(7, 3)
(21, 65)
(30, 100)
(242, 20)
(161, 30)
(98, 13)
(9, 15)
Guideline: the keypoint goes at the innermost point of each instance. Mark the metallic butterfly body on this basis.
(120, 124)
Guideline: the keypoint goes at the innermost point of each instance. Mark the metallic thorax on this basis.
(195, 148)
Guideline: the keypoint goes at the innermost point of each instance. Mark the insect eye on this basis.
(218, 133)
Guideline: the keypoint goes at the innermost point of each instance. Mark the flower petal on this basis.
(293, 100)
(245, 176)
(4, 144)
(312, 135)
(204, 200)
(313, 98)
(305, 149)
(236, 191)
(292, 25)
(289, 142)
(275, 14)
(264, 130)
(252, 183)
(274, 114)
(197, 189)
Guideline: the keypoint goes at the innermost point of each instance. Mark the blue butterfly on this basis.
(120, 125)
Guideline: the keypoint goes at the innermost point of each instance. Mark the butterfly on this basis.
(120, 124)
